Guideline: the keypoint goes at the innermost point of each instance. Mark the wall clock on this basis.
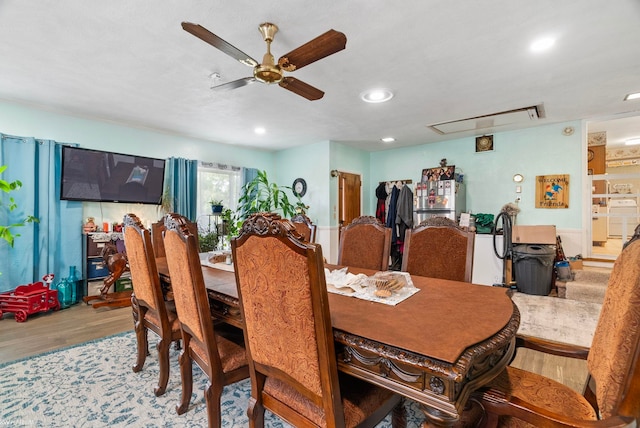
(299, 187)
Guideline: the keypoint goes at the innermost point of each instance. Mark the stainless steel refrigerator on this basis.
(438, 195)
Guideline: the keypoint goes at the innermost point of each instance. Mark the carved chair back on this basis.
(365, 243)
(288, 335)
(614, 357)
(438, 248)
(150, 309)
(157, 230)
(157, 234)
(303, 225)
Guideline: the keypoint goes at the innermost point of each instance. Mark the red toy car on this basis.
(30, 299)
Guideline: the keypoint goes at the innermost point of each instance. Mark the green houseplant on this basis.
(7, 230)
(231, 224)
(207, 239)
(261, 195)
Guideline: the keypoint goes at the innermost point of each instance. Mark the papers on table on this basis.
(340, 281)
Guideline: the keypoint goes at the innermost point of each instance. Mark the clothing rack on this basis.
(409, 181)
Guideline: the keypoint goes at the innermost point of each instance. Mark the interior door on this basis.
(349, 198)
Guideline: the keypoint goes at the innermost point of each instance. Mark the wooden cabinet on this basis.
(596, 157)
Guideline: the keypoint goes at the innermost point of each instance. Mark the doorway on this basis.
(349, 198)
(615, 188)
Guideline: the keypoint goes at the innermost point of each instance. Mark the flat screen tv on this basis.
(99, 176)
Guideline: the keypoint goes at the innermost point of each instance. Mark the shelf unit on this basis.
(94, 270)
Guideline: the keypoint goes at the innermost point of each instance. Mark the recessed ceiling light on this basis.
(633, 96)
(632, 142)
(376, 95)
(542, 44)
(259, 130)
(388, 139)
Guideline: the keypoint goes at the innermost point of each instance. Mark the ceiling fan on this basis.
(268, 71)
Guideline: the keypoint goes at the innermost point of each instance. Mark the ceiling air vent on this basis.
(521, 116)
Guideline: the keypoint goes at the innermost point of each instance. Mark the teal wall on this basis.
(311, 163)
(348, 159)
(541, 150)
(28, 122)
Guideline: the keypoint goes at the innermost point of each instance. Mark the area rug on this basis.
(93, 385)
(562, 320)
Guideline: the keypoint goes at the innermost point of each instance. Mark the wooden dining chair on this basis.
(303, 225)
(438, 248)
(288, 334)
(157, 230)
(151, 312)
(612, 395)
(365, 243)
(224, 361)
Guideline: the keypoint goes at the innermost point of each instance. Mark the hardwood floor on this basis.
(56, 329)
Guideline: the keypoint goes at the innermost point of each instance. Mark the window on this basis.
(217, 181)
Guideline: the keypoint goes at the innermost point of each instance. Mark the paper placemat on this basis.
(221, 266)
(340, 281)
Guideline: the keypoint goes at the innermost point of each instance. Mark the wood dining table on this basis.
(436, 347)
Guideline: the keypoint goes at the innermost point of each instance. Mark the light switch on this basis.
(518, 189)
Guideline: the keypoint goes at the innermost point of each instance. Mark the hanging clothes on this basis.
(391, 222)
(381, 195)
(391, 213)
(404, 215)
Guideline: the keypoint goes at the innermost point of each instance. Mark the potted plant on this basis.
(216, 205)
(231, 224)
(260, 195)
(207, 239)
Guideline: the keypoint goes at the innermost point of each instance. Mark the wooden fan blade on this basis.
(234, 84)
(215, 41)
(303, 89)
(324, 45)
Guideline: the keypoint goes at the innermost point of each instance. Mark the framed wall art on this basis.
(484, 143)
(552, 191)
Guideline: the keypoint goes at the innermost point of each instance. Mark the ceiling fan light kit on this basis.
(268, 71)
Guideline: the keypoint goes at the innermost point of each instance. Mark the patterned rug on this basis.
(562, 320)
(93, 385)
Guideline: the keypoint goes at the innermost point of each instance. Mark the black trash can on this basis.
(533, 266)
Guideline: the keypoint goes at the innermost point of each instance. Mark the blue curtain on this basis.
(182, 179)
(248, 174)
(54, 243)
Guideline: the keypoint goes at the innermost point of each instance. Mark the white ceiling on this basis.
(130, 62)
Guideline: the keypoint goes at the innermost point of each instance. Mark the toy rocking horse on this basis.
(117, 264)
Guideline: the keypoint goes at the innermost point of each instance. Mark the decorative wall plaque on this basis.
(552, 191)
